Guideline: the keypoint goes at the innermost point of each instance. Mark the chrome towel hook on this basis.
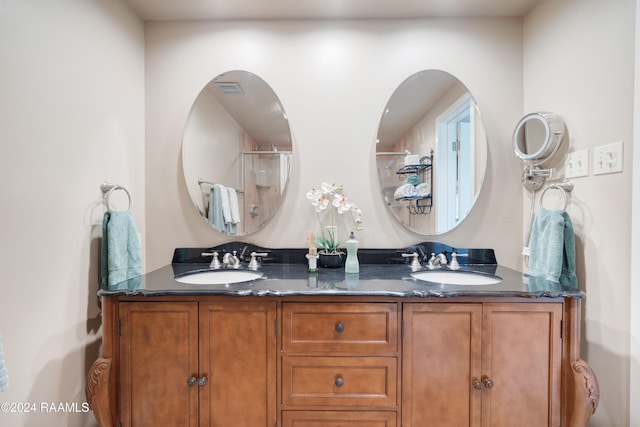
(108, 188)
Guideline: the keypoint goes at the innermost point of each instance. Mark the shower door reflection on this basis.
(264, 176)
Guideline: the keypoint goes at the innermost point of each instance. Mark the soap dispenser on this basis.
(352, 265)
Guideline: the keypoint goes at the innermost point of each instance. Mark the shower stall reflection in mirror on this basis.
(264, 176)
(456, 173)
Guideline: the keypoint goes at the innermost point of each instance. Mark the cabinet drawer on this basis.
(338, 419)
(339, 381)
(340, 327)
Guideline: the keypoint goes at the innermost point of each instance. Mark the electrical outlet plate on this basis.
(577, 164)
(607, 158)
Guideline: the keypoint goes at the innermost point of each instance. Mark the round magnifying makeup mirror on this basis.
(536, 139)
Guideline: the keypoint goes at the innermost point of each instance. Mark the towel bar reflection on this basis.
(563, 187)
(202, 181)
(108, 188)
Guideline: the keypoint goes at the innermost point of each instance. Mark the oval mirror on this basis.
(537, 137)
(237, 153)
(431, 152)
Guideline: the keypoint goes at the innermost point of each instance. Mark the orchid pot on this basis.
(331, 259)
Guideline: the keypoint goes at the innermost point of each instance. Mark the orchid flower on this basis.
(320, 198)
(340, 202)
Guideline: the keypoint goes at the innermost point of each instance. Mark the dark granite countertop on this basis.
(392, 280)
(383, 272)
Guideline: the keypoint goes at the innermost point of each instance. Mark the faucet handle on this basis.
(415, 264)
(454, 264)
(215, 262)
(253, 264)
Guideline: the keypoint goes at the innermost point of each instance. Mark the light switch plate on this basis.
(577, 164)
(607, 158)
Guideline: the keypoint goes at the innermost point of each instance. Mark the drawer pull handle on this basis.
(339, 382)
(477, 384)
(339, 327)
(192, 381)
(202, 381)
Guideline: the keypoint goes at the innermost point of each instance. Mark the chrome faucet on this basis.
(437, 261)
(231, 260)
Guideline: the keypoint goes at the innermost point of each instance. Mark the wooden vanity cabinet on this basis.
(196, 363)
(493, 364)
(341, 361)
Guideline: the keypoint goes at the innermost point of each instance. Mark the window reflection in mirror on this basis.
(237, 153)
(431, 113)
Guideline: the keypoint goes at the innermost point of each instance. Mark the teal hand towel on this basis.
(121, 254)
(552, 248)
(216, 218)
(4, 375)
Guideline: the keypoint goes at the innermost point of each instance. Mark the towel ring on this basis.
(563, 188)
(108, 188)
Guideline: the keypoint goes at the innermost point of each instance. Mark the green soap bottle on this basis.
(352, 265)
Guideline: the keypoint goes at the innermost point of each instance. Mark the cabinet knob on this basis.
(488, 383)
(192, 381)
(339, 382)
(202, 381)
(477, 384)
(339, 327)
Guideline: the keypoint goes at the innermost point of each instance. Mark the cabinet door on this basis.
(238, 358)
(158, 355)
(521, 355)
(441, 358)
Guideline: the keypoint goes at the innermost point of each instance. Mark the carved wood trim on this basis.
(590, 381)
(586, 393)
(97, 391)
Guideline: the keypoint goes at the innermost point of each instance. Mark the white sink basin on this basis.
(218, 277)
(462, 278)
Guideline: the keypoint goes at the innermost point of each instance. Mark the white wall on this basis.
(578, 62)
(333, 79)
(634, 369)
(72, 115)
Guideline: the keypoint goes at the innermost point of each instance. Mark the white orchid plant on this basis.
(330, 199)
